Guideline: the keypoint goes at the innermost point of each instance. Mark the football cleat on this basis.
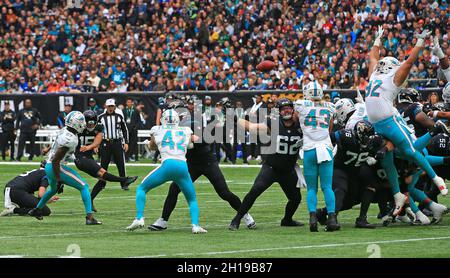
(159, 225)
(332, 224)
(36, 212)
(291, 223)
(438, 211)
(313, 222)
(92, 221)
(8, 211)
(440, 183)
(386, 220)
(198, 230)
(137, 224)
(421, 219)
(400, 200)
(249, 221)
(130, 180)
(361, 222)
(234, 226)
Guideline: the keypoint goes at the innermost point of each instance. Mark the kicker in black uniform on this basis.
(90, 140)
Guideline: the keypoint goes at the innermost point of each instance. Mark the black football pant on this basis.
(23, 137)
(8, 140)
(213, 173)
(266, 177)
(26, 202)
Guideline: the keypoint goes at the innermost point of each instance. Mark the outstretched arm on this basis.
(374, 54)
(443, 59)
(252, 127)
(403, 72)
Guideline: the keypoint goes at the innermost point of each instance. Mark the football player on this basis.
(89, 140)
(279, 166)
(57, 174)
(386, 77)
(172, 141)
(19, 193)
(200, 161)
(316, 120)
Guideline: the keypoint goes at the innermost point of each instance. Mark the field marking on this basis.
(11, 256)
(298, 247)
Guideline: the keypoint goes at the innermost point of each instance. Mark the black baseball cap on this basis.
(92, 99)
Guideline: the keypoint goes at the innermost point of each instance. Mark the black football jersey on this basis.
(29, 181)
(349, 153)
(409, 113)
(86, 138)
(201, 152)
(288, 142)
(439, 145)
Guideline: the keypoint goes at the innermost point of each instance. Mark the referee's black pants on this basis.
(213, 173)
(266, 177)
(113, 149)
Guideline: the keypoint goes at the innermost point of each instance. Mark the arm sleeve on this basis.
(19, 118)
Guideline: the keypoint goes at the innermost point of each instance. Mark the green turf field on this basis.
(52, 237)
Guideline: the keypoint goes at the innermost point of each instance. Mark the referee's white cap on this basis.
(110, 102)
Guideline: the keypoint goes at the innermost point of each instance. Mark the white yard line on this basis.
(333, 245)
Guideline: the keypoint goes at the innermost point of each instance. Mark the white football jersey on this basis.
(359, 115)
(66, 139)
(172, 142)
(315, 118)
(380, 95)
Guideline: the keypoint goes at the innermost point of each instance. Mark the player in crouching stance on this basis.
(316, 118)
(172, 142)
(386, 77)
(57, 174)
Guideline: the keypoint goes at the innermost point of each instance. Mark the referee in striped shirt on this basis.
(115, 140)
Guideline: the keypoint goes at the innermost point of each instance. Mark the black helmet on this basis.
(363, 130)
(43, 163)
(226, 102)
(91, 119)
(408, 95)
(282, 102)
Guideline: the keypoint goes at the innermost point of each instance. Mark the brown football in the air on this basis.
(266, 65)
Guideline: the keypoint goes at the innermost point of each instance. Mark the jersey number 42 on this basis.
(168, 140)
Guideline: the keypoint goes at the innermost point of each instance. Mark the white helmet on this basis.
(344, 106)
(446, 93)
(76, 120)
(313, 91)
(170, 117)
(386, 65)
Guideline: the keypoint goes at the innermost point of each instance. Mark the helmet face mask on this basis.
(386, 65)
(313, 91)
(286, 108)
(76, 121)
(170, 118)
(91, 119)
(344, 107)
(409, 95)
(364, 130)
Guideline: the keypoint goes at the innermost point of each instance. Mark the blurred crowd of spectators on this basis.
(142, 45)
